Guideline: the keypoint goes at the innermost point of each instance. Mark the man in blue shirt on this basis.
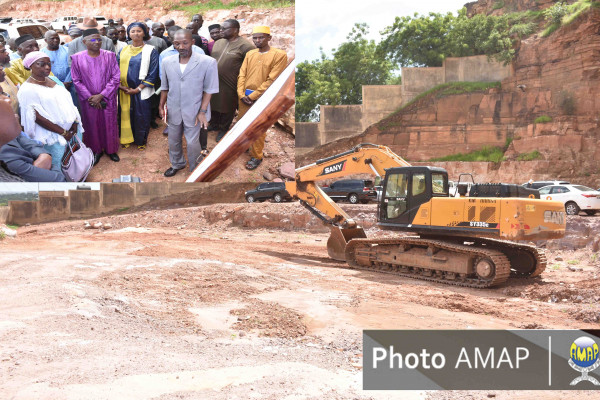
(59, 58)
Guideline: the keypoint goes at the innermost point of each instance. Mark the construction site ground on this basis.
(150, 164)
(200, 303)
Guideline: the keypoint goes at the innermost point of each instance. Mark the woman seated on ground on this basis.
(139, 72)
(47, 111)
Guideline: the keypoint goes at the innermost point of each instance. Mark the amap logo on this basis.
(584, 358)
(337, 167)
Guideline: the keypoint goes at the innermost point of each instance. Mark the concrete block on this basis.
(308, 134)
(85, 202)
(22, 212)
(150, 190)
(53, 208)
(3, 214)
(117, 194)
(342, 118)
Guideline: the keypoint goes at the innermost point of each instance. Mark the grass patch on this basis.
(542, 119)
(555, 267)
(120, 210)
(498, 5)
(13, 227)
(562, 14)
(489, 154)
(449, 89)
(550, 29)
(195, 7)
(534, 155)
(573, 262)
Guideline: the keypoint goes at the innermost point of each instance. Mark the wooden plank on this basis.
(276, 100)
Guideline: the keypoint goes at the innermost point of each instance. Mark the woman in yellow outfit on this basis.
(139, 72)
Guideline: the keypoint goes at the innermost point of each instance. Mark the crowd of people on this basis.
(108, 86)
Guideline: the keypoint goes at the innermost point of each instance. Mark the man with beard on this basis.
(113, 35)
(229, 54)
(122, 34)
(188, 82)
(260, 69)
(215, 34)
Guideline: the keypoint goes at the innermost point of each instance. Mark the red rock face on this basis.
(488, 7)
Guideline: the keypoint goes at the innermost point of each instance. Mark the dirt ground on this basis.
(174, 304)
(151, 163)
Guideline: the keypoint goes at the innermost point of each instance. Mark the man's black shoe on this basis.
(114, 157)
(220, 135)
(253, 163)
(171, 171)
(153, 124)
(97, 157)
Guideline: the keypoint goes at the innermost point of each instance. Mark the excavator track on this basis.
(367, 251)
(526, 261)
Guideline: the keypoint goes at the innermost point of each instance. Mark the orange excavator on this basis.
(466, 241)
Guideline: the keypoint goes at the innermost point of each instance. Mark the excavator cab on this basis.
(405, 189)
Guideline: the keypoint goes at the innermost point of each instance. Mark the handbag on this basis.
(77, 161)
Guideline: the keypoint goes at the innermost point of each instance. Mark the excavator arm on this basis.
(363, 159)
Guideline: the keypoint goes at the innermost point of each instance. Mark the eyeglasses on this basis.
(43, 64)
(95, 40)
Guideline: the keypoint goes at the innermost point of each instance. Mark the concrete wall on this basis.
(379, 101)
(3, 214)
(119, 197)
(474, 69)
(418, 80)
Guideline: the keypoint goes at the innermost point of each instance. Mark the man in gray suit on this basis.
(188, 81)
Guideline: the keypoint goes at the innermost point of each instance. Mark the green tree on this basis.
(419, 40)
(428, 40)
(338, 80)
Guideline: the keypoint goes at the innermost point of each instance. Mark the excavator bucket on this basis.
(336, 245)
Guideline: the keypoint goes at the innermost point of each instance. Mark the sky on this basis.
(326, 23)
(22, 187)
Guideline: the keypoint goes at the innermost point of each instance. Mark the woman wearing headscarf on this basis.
(138, 63)
(47, 111)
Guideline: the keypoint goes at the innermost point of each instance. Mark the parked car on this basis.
(14, 30)
(43, 22)
(268, 190)
(575, 197)
(63, 23)
(352, 190)
(541, 184)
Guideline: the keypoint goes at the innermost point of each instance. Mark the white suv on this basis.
(15, 30)
(63, 23)
(576, 198)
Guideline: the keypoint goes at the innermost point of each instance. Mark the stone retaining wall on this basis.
(119, 197)
(379, 101)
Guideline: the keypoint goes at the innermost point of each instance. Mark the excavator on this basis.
(465, 241)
